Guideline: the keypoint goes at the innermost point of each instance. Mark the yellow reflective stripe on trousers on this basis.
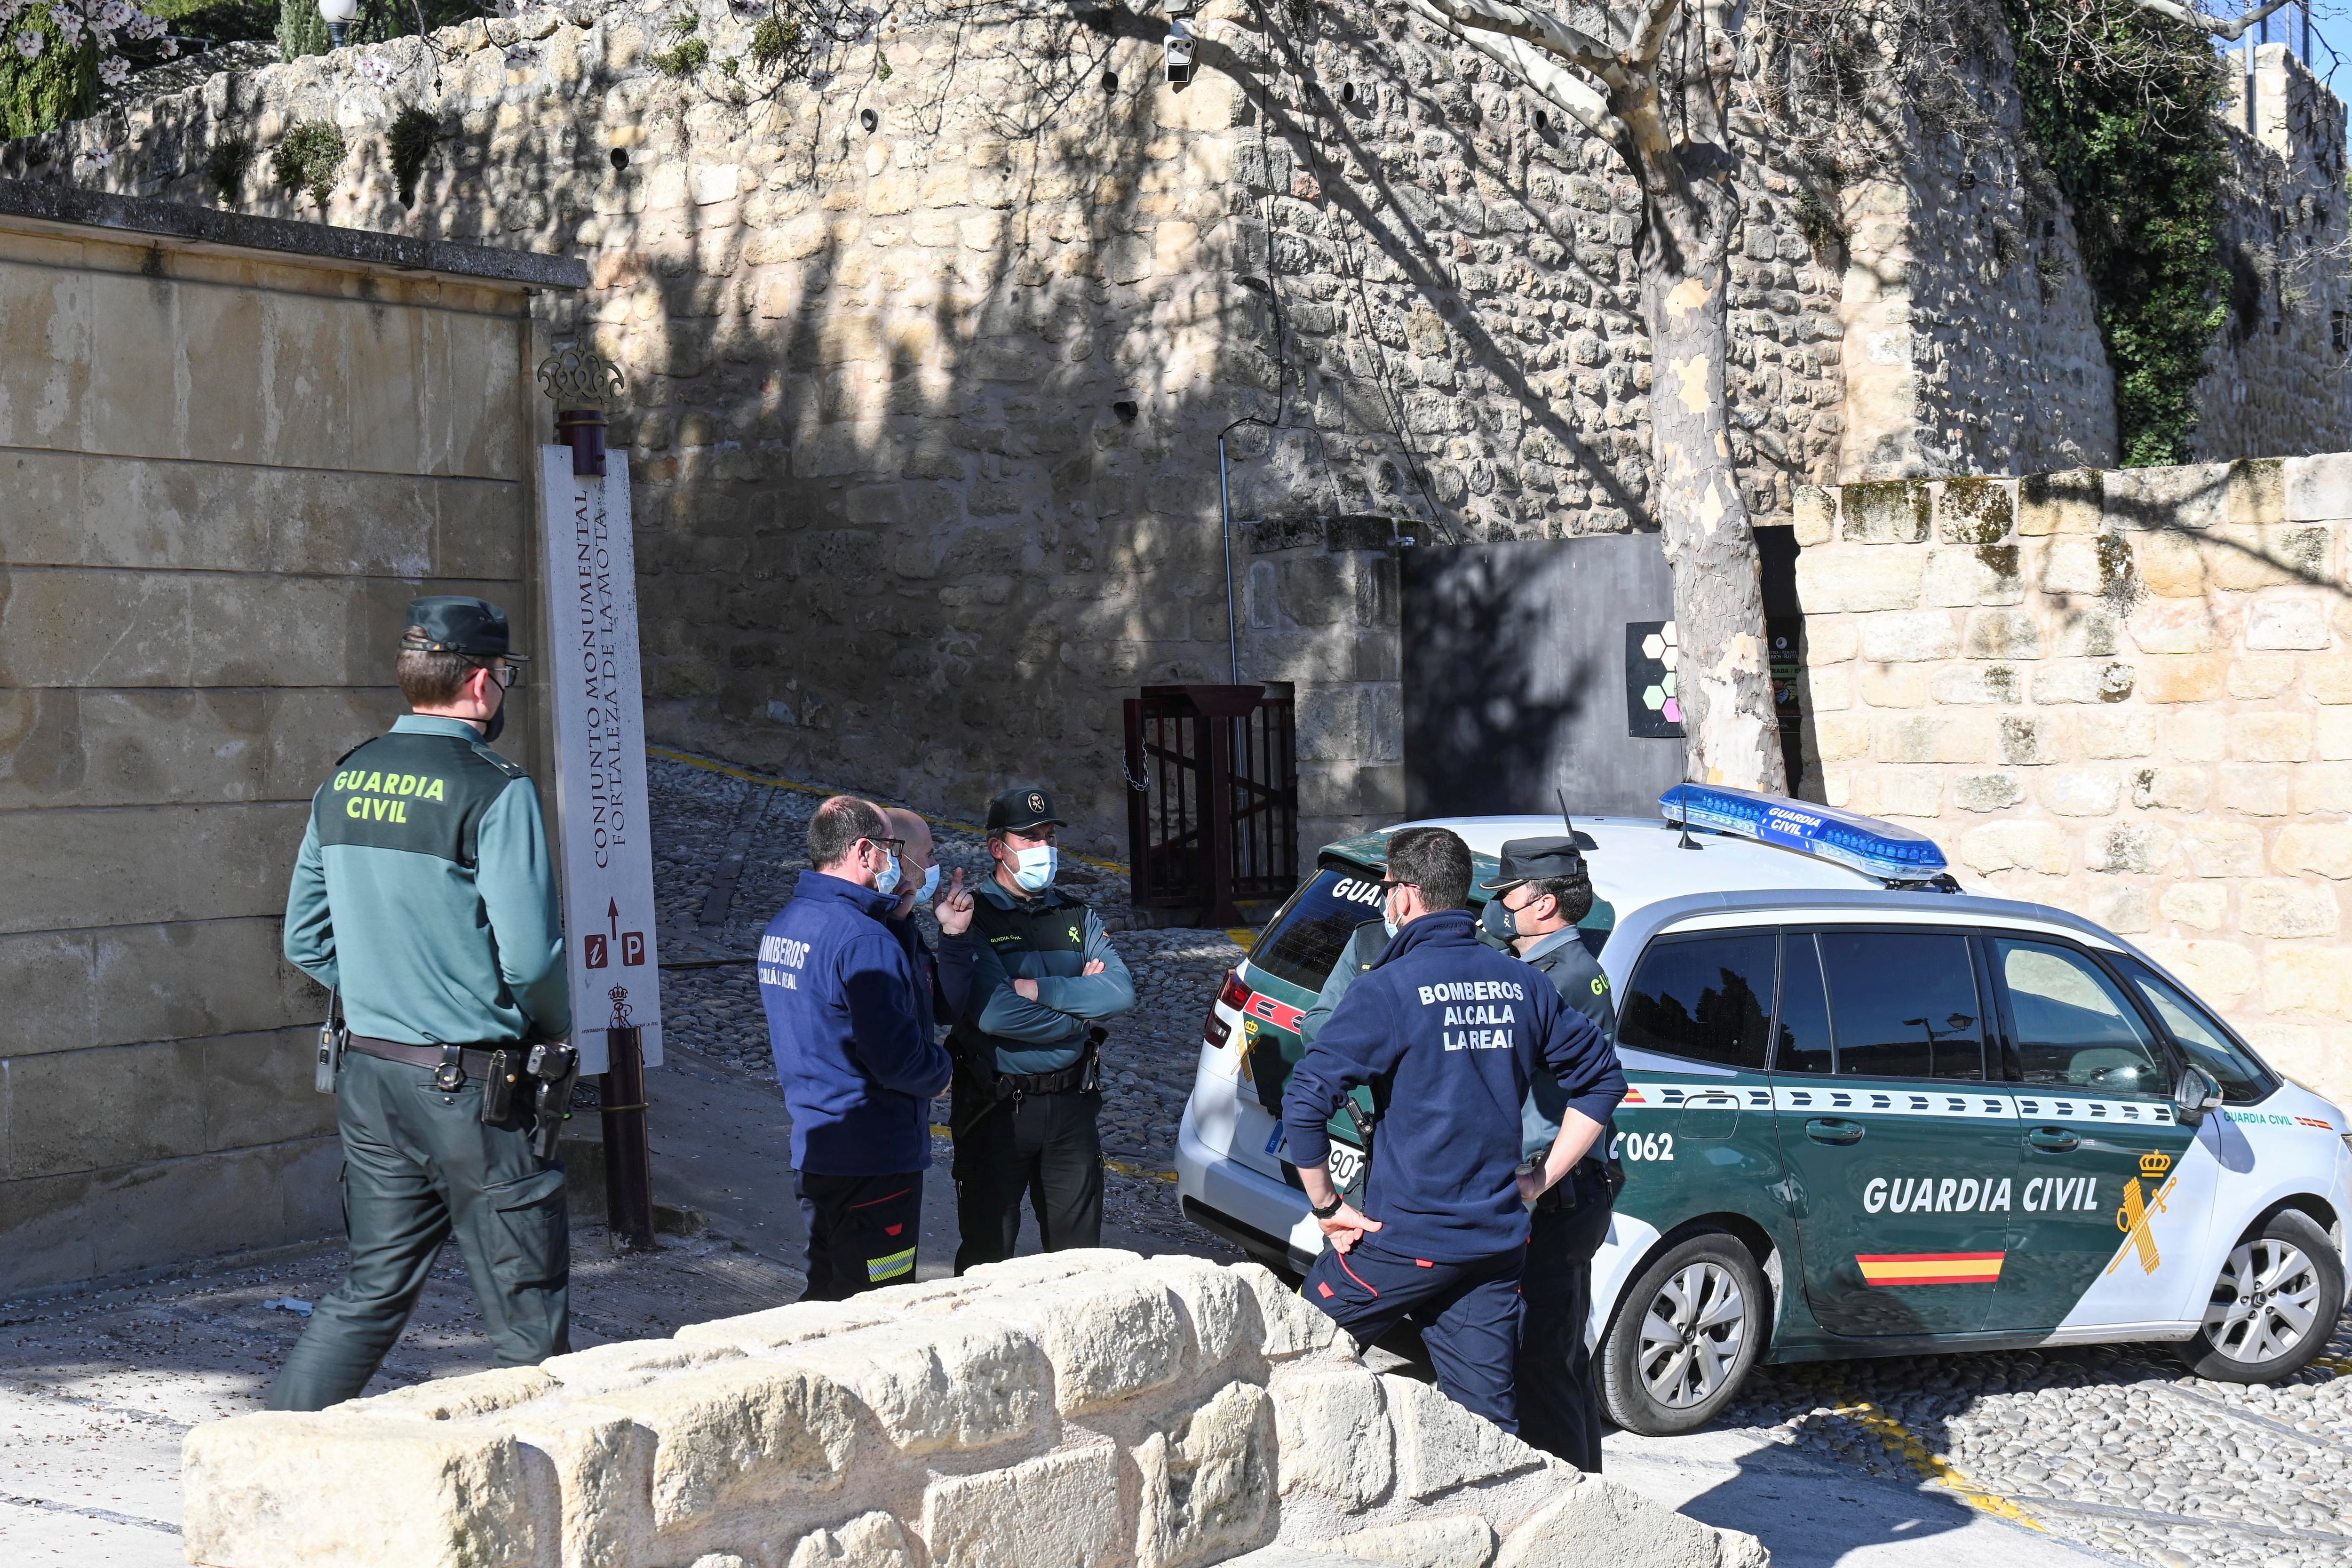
(887, 1268)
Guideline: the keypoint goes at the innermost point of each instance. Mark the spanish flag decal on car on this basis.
(1930, 1268)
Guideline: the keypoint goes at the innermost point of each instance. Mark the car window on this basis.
(1804, 1036)
(1306, 936)
(2243, 1080)
(2073, 1025)
(1707, 999)
(1904, 1004)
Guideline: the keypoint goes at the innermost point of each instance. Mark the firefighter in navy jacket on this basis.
(1447, 1034)
(850, 1021)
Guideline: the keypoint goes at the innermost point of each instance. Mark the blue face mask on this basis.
(887, 882)
(930, 885)
(1033, 869)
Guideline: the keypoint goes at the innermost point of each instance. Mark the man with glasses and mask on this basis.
(850, 1022)
(1027, 1089)
(1539, 893)
(1450, 1037)
(424, 897)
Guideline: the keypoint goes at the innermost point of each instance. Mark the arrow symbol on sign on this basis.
(613, 914)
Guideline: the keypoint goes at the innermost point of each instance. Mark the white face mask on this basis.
(930, 884)
(1033, 869)
(887, 882)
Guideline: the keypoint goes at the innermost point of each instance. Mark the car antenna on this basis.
(1566, 821)
(1685, 842)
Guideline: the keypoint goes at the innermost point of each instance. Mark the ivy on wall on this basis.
(2121, 106)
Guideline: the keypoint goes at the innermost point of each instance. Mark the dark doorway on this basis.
(1516, 676)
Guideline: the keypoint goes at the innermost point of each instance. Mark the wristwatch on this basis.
(1337, 1204)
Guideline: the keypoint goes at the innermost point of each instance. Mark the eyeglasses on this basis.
(1388, 886)
(504, 674)
(891, 843)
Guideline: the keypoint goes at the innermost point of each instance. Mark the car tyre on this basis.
(1683, 1336)
(2274, 1306)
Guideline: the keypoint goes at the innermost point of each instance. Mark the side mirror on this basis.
(2196, 1093)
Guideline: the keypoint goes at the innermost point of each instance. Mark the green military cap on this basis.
(452, 623)
(1020, 809)
(1535, 860)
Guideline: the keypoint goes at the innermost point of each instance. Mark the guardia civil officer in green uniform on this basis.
(1541, 892)
(425, 896)
(1027, 1082)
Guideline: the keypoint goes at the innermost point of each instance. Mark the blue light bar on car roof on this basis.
(1872, 848)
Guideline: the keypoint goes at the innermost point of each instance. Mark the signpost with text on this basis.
(602, 827)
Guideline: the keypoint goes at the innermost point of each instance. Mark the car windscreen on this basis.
(1306, 939)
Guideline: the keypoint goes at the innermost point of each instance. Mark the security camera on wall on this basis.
(1179, 54)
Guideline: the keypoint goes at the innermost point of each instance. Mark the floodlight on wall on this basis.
(1182, 7)
(339, 16)
(1177, 59)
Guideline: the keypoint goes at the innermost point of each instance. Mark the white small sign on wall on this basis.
(602, 827)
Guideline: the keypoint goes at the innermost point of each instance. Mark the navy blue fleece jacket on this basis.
(1449, 1034)
(849, 1019)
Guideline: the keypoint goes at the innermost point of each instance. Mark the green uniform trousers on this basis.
(419, 1163)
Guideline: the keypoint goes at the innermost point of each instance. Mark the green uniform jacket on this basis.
(425, 892)
(1048, 938)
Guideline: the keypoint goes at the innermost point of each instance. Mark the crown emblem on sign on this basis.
(2155, 1165)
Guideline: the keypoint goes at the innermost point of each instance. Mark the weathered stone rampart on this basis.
(2127, 694)
(1082, 1408)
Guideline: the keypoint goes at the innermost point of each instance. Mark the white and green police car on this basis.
(1864, 1116)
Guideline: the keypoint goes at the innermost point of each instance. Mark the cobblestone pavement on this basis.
(2116, 1447)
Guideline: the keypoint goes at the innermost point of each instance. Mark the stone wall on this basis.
(924, 417)
(234, 449)
(2280, 382)
(1079, 1407)
(929, 352)
(2127, 694)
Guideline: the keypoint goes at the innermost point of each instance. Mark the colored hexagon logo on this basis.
(1653, 699)
(1653, 647)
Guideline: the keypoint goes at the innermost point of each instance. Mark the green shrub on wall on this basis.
(58, 85)
(2120, 104)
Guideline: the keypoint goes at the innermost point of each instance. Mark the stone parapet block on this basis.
(1088, 1407)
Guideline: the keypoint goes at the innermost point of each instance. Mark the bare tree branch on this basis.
(1537, 66)
(1650, 35)
(2206, 20)
(1547, 33)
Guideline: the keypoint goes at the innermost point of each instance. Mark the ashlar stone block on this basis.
(1208, 1483)
(1441, 1445)
(2223, 848)
(2275, 907)
(2333, 733)
(872, 1540)
(778, 1326)
(2218, 970)
(2319, 489)
(2122, 908)
(2174, 626)
(2080, 791)
(1335, 1437)
(2258, 789)
(2121, 733)
(1114, 1338)
(2070, 501)
(2004, 634)
(1987, 792)
(1892, 637)
(962, 1382)
(742, 1427)
(1816, 515)
(1293, 1329)
(1885, 511)
(1597, 1520)
(1838, 579)
(2308, 980)
(438, 1494)
(2201, 906)
(1451, 1541)
(2297, 623)
(2140, 849)
(1060, 1508)
(2270, 737)
(2169, 789)
(2259, 677)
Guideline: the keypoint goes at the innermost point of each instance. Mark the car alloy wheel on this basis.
(2274, 1305)
(2265, 1302)
(1692, 1334)
(1683, 1335)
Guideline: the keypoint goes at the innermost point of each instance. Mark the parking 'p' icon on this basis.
(598, 955)
(632, 947)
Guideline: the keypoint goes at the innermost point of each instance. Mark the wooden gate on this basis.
(1213, 797)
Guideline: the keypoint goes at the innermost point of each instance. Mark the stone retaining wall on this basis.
(2127, 694)
(1078, 1408)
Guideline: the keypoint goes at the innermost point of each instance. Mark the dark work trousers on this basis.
(862, 1231)
(1559, 1398)
(1042, 1145)
(1468, 1314)
(417, 1165)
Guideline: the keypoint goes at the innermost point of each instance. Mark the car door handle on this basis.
(2056, 1140)
(1830, 1130)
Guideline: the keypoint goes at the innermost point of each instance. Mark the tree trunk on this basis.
(1723, 675)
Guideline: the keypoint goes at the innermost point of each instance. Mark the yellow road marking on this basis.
(1930, 1465)
(711, 765)
(2340, 1365)
(1240, 937)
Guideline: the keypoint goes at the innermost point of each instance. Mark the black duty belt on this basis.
(1562, 1194)
(1062, 1082)
(475, 1060)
